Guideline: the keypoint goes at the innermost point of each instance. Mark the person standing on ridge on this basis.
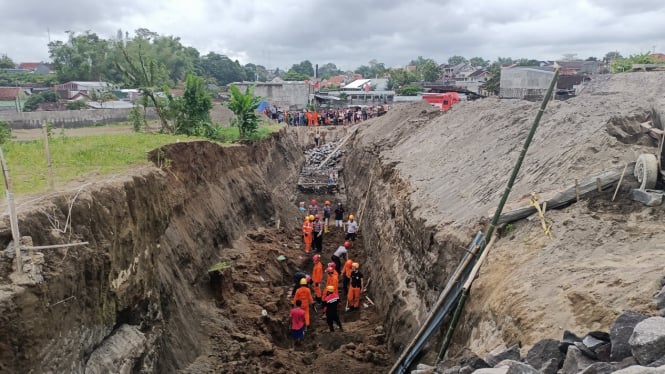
(339, 216)
(313, 208)
(317, 233)
(307, 232)
(356, 287)
(304, 295)
(331, 304)
(326, 216)
(351, 228)
(317, 277)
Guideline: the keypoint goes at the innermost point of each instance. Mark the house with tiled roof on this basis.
(40, 68)
(658, 57)
(8, 98)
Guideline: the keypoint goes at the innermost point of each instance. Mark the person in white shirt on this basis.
(351, 228)
(341, 251)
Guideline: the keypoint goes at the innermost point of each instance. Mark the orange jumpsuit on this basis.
(317, 278)
(346, 275)
(333, 280)
(305, 296)
(307, 229)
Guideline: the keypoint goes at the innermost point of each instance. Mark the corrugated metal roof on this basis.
(357, 84)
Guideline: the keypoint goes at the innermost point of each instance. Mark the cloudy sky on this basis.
(278, 33)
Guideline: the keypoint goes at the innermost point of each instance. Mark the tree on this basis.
(626, 64)
(222, 69)
(479, 61)
(82, 57)
(375, 69)
(401, 77)
(591, 58)
(611, 56)
(34, 100)
(455, 60)
(503, 61)
(410, 90)
(293, 75)
(255, 73)
(304, 68)
(6, 62)
(243, 106)
(191, 112)
(429, 71)
(493, 84)
(328, 70)
(143, 72)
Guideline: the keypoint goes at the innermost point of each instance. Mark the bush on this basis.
(76, 105)
(35, 99)
(5, 132)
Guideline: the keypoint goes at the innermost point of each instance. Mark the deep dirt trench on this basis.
(139, 298)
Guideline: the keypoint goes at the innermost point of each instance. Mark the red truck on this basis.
(442, 101)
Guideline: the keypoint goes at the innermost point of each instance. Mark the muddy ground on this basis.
(241, 341)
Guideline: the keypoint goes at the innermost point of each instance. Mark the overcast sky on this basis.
(278, 33)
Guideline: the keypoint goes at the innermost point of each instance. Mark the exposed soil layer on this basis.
(139, 297)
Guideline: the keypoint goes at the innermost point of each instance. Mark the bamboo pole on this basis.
(13, 219)
(619, 184)
(49, 165)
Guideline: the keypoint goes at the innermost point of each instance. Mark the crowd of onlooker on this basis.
(339, 116)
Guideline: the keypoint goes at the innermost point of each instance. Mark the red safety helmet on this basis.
(308, 279)
(313, 202)
(332, 265)
(347, 244)
(329, 270)
(316, 258)
(316, 216)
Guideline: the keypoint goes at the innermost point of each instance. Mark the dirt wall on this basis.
(152, 236)
(409, 259)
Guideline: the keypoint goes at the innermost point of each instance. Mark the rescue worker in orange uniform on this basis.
(346, 275)
(317, 277)
(307, 229)
(353, 297)
(332, 279)
(304, 294)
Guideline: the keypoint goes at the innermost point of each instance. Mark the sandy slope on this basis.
(605, 257)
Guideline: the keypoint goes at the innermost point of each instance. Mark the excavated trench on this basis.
(139, 298)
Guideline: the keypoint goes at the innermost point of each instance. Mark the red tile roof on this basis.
(29, 65)
(8, 93)
(658, 57)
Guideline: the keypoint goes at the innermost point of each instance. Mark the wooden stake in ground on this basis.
(13, 219)
(541, 213)
(619, 184)
(51, 183)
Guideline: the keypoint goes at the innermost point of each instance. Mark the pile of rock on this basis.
(635, 344)
(314, 156)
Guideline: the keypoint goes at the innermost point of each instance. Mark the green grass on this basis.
(89, 156)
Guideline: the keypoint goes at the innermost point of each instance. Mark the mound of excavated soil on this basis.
(604, 258)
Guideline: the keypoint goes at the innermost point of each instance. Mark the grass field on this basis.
(81, 156)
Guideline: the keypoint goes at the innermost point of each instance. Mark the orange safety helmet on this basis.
(349, 262)
(330, 288)
(327, 202)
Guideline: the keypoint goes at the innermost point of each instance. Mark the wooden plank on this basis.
(557, 199)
